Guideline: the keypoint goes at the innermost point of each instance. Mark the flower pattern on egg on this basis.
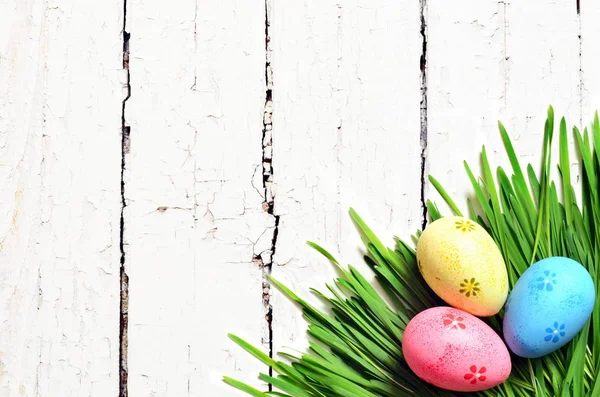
(454, 322)
(546, 282)
(555, 333)
(465, 226)
(469, 287)
(476, 374)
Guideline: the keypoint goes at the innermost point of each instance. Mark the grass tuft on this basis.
(359, 341)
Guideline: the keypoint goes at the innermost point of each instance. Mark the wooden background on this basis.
(157, 159)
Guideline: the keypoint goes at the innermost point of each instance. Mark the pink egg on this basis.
(455, 350)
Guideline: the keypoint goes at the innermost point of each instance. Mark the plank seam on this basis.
(423, 65)
(269, 195)
(124, 278)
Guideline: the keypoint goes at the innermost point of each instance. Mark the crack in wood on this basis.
(124, 278)
(269, 196)
(423, 64)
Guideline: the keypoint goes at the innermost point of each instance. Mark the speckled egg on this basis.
(548, 306)
(463, 265)
(455, 350)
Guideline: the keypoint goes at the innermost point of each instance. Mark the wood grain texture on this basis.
(490, 61)
(60, 125)
(193, 185)
(346, 132)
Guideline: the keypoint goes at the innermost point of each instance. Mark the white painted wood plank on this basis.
(590, 60)
(543, 70)
(60, 154)
(194, 215)
(346, 132)
(490, 61)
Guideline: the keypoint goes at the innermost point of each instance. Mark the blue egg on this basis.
(548, 306)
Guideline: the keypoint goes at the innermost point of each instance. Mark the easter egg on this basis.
(547, 307)
(463, 265)
(454, 350)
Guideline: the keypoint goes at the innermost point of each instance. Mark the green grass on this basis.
(355, 347)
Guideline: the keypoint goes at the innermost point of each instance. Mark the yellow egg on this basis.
(463, 265)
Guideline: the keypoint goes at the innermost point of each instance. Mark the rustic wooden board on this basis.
(194, 219)
(252, 127)
(346, 132)
(60, 153)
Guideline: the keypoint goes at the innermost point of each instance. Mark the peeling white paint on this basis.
(239, 152)
(60, 100)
